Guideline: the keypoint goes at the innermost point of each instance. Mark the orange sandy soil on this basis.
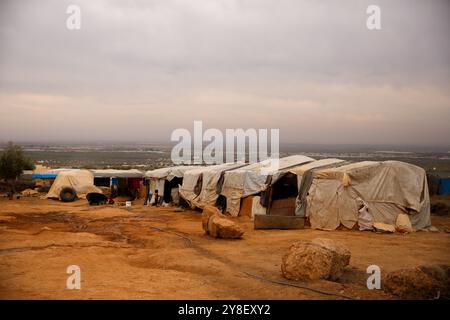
(158, 253)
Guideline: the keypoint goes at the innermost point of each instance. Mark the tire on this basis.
(68, 194)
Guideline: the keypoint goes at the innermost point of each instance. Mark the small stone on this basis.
(384, 227)
(403, 224)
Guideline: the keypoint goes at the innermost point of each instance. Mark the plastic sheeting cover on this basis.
(82, 181)
(209, 177)
(389, 188)
(252, 179)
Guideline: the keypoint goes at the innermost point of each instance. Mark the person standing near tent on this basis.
(156, 203)
(149, 193)
(114, 187)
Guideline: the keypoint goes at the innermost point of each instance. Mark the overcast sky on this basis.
(139, 69)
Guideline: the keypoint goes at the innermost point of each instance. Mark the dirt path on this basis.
(156, 253)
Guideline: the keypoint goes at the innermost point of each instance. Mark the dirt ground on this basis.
(159, 253)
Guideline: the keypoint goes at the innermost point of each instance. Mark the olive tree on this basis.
(12, 164)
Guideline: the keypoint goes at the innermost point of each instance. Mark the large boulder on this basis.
(317, 259)
(425, 282)
(216, 225)
(207, 213)
(220, 227)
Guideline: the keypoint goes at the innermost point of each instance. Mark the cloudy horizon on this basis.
(138, 70)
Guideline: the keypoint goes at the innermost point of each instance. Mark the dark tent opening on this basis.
(168, 186)
(282, 196)
(102, 182)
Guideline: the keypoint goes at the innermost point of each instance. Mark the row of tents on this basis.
(329, 192)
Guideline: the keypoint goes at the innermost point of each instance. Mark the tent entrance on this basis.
(283, 194)
(169, 186)
(102, 182)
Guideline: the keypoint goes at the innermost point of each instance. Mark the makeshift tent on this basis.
(281, 195)
(44, 176)
(251, 179)
(126, 182)
(199, 184)
(336, 195)
(166, 181)
(82, 181)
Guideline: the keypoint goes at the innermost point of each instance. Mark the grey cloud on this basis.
(254, 60)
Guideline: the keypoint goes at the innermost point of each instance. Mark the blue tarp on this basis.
(444, 186)
(44, 175)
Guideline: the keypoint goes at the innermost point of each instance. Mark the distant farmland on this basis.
(100, 159)
(154, 159)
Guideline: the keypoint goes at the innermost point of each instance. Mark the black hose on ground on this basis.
(262, 278)
(298, 286)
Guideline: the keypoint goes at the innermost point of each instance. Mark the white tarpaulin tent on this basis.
(82, 181)
(300, 171)
(199, 184)
(251, 179)
(158, 178)
(281, 196)
(388, 188)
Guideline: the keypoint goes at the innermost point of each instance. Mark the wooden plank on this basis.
(263, 221)
(246, 207)
(283, 207)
